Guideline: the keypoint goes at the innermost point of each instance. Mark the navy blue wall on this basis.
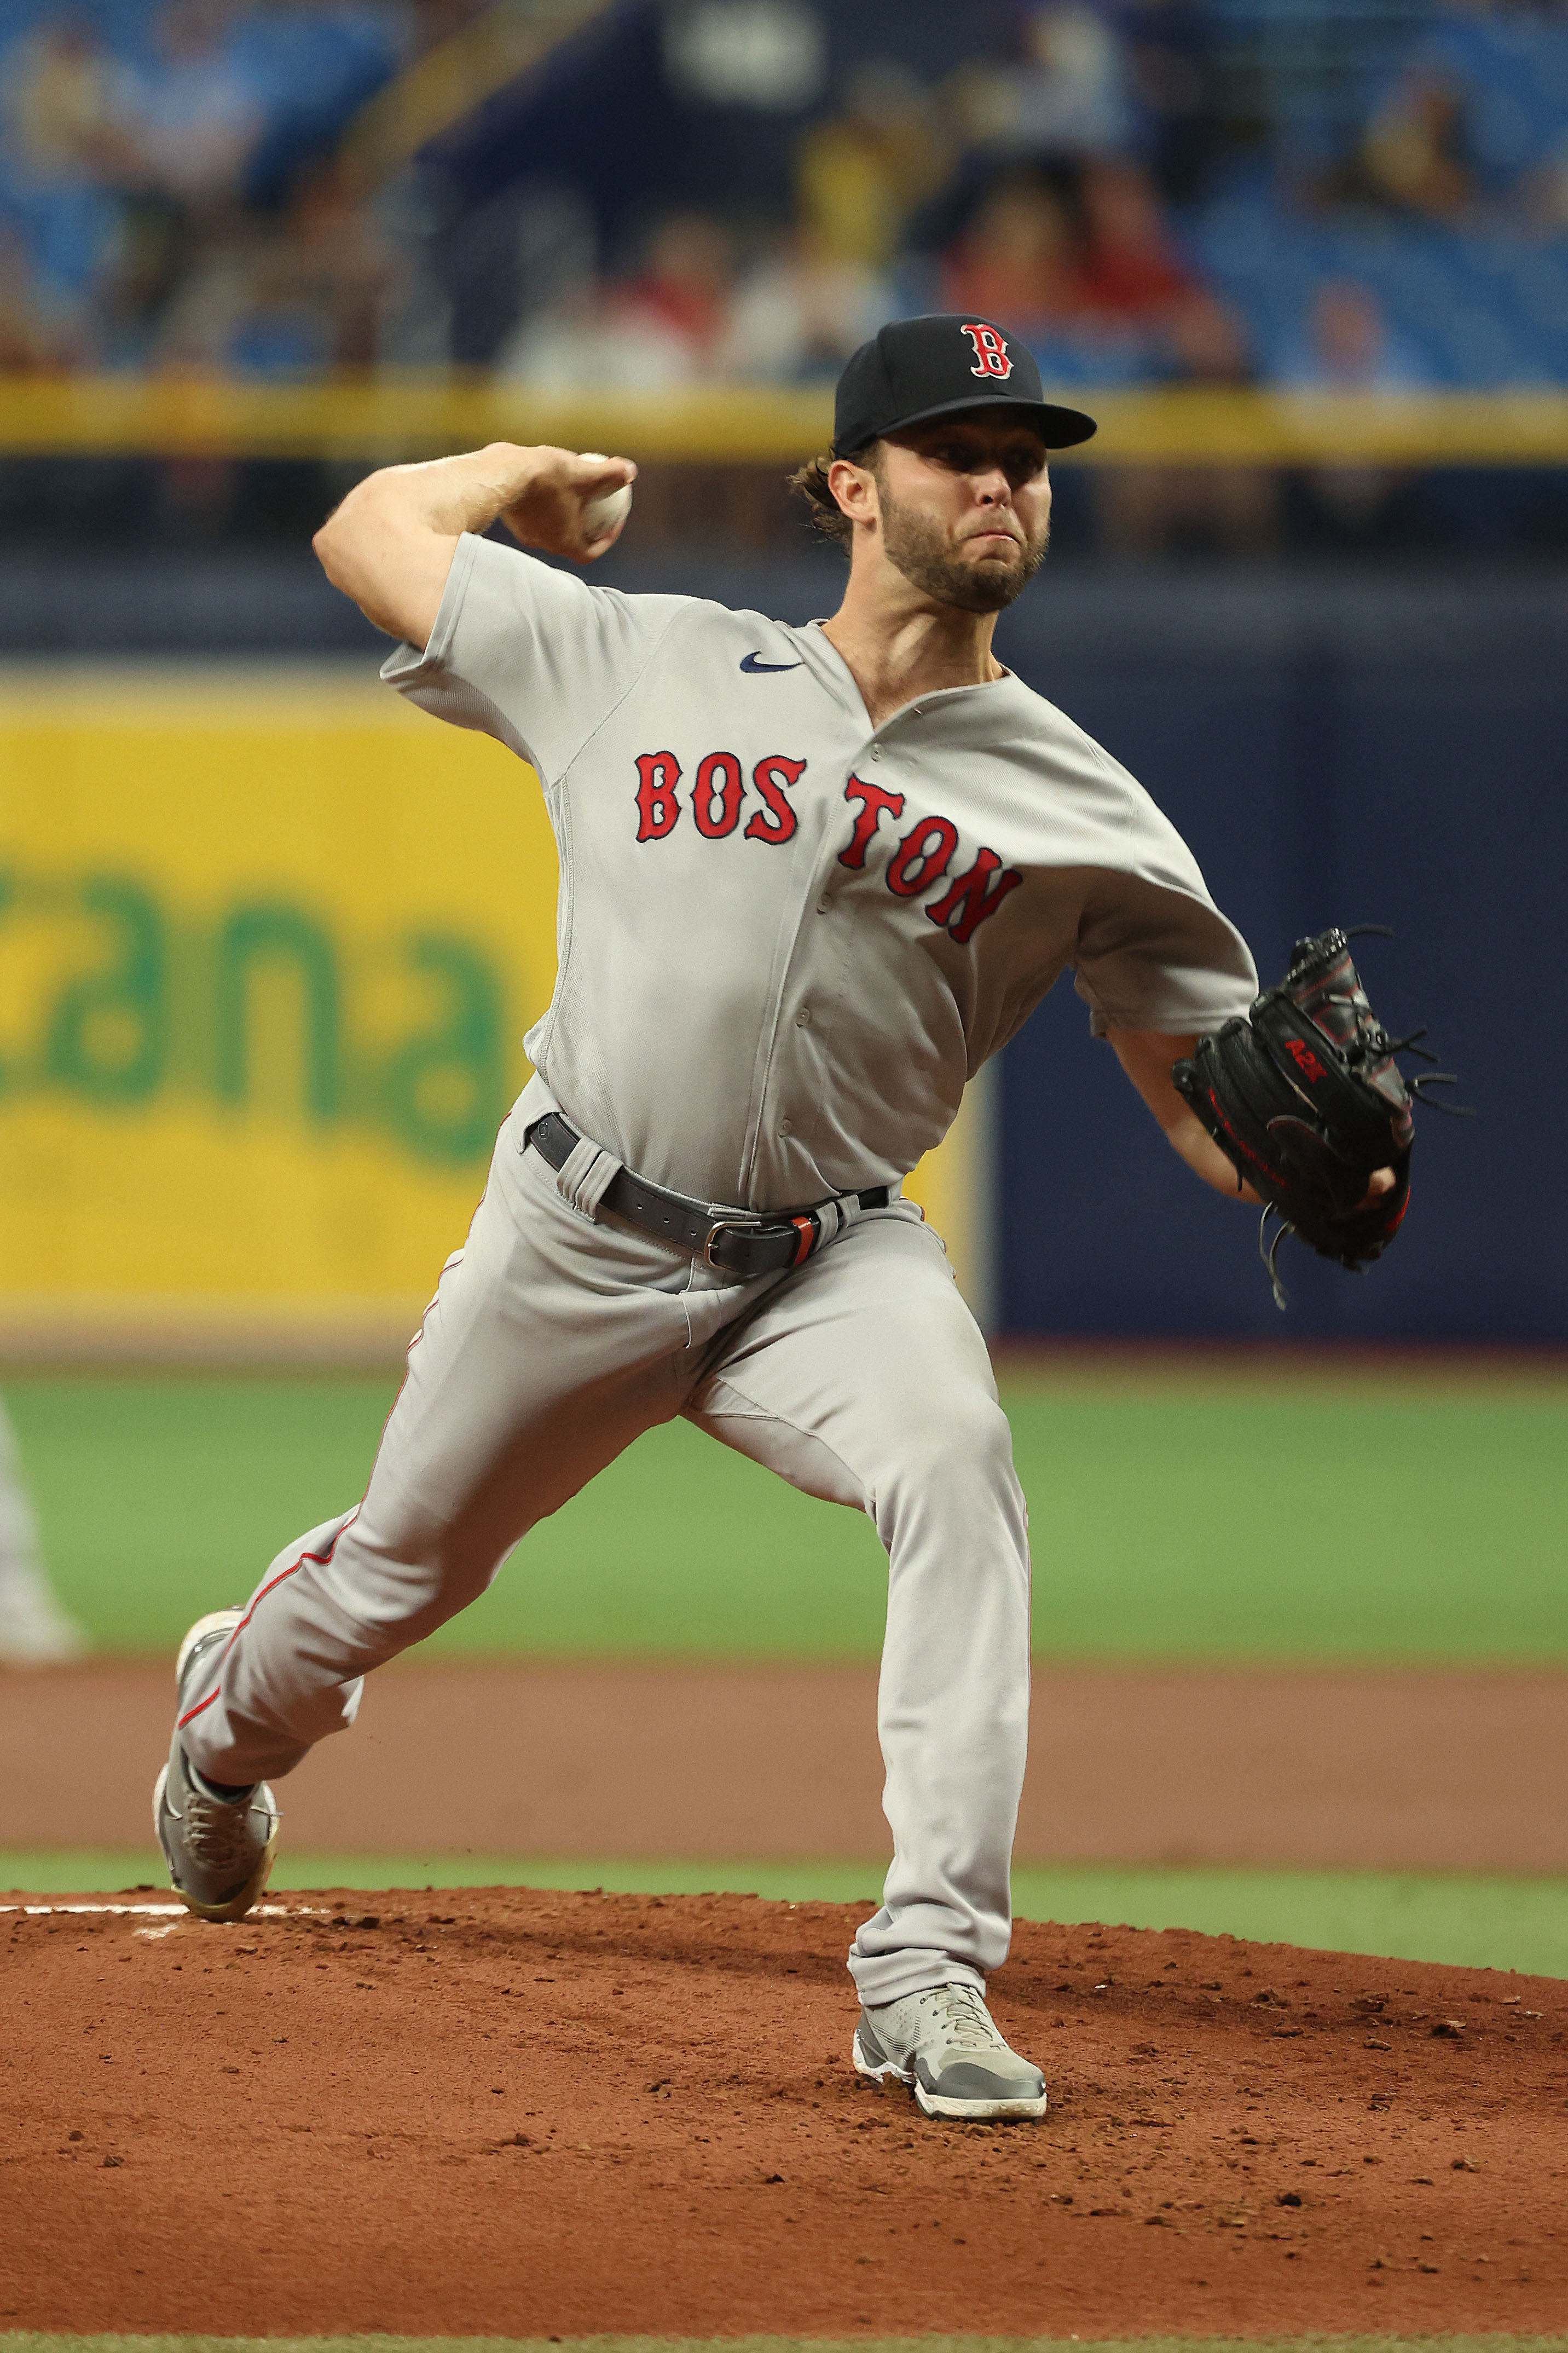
(1335, 749)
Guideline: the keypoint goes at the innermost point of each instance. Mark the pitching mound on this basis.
(517, 2113)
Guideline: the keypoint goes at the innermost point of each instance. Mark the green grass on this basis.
(1181, 1516)
(1465, 1920)
(32, 2341)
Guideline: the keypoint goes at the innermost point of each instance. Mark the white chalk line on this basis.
(177, 1911)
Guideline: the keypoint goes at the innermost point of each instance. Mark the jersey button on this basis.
(823, 906)
(784, 1127)
(876, 751)
(802, 1019)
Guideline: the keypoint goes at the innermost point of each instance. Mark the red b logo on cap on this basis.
(990, 350)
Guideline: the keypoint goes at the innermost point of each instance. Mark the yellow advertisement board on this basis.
(269, 941)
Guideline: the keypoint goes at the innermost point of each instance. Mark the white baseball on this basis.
(609, 510)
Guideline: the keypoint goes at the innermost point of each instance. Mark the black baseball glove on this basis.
(1306, 1099)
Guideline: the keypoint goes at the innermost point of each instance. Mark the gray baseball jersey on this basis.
(786, 940)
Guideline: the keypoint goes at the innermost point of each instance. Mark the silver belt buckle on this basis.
(725, 1226)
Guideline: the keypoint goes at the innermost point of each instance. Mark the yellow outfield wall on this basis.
(269, 941)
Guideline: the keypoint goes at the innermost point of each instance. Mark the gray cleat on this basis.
(945, 2045)
(218, 1850)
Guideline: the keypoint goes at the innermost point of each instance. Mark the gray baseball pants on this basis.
(554, 1338)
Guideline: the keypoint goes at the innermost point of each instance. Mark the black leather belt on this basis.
(731, 1240)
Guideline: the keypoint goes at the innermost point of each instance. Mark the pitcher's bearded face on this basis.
(965, 509)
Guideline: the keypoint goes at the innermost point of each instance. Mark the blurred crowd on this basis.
(169, 191)
(184, 188)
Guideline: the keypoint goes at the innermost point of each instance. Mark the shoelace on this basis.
(218, 1836)
(962, 2012)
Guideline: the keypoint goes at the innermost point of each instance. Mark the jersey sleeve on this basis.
(534, 656)
(1150, 957)
(1154, 952)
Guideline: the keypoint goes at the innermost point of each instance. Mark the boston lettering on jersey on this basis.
(715, 794)
(920, 861)
(924, 857)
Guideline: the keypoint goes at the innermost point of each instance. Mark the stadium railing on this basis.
(386, 417)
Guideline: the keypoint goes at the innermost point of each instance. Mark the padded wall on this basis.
(1335, 749)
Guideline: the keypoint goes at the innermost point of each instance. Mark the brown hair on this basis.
(810, 480)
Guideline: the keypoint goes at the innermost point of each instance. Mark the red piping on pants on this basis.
(319, 1559)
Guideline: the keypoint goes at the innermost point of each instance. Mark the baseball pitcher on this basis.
(811, 879)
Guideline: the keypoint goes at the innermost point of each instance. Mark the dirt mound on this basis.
(525, 2113)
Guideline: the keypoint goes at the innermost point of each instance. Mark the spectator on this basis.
(798, 313)
(185, 129)
(1348, 346)
(669, 325)
(1066, 99)
(1017, 261)
(63, 97)
(31, 342)
(1113, 307)
(861, 175)
(683, 289)
(1233, 508)
(1413, 154)
(1131, 281)
(575, 342)
(303, 298)
(193, 121)
(201, 319)
(1131, 271)
(331, 260)
(60, 96)
(1206, 342)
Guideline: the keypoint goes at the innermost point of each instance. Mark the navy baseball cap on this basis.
(918, 368)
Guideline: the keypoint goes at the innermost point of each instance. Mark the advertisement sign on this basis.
(269, 941)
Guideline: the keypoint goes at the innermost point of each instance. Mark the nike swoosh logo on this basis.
(753, 667)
